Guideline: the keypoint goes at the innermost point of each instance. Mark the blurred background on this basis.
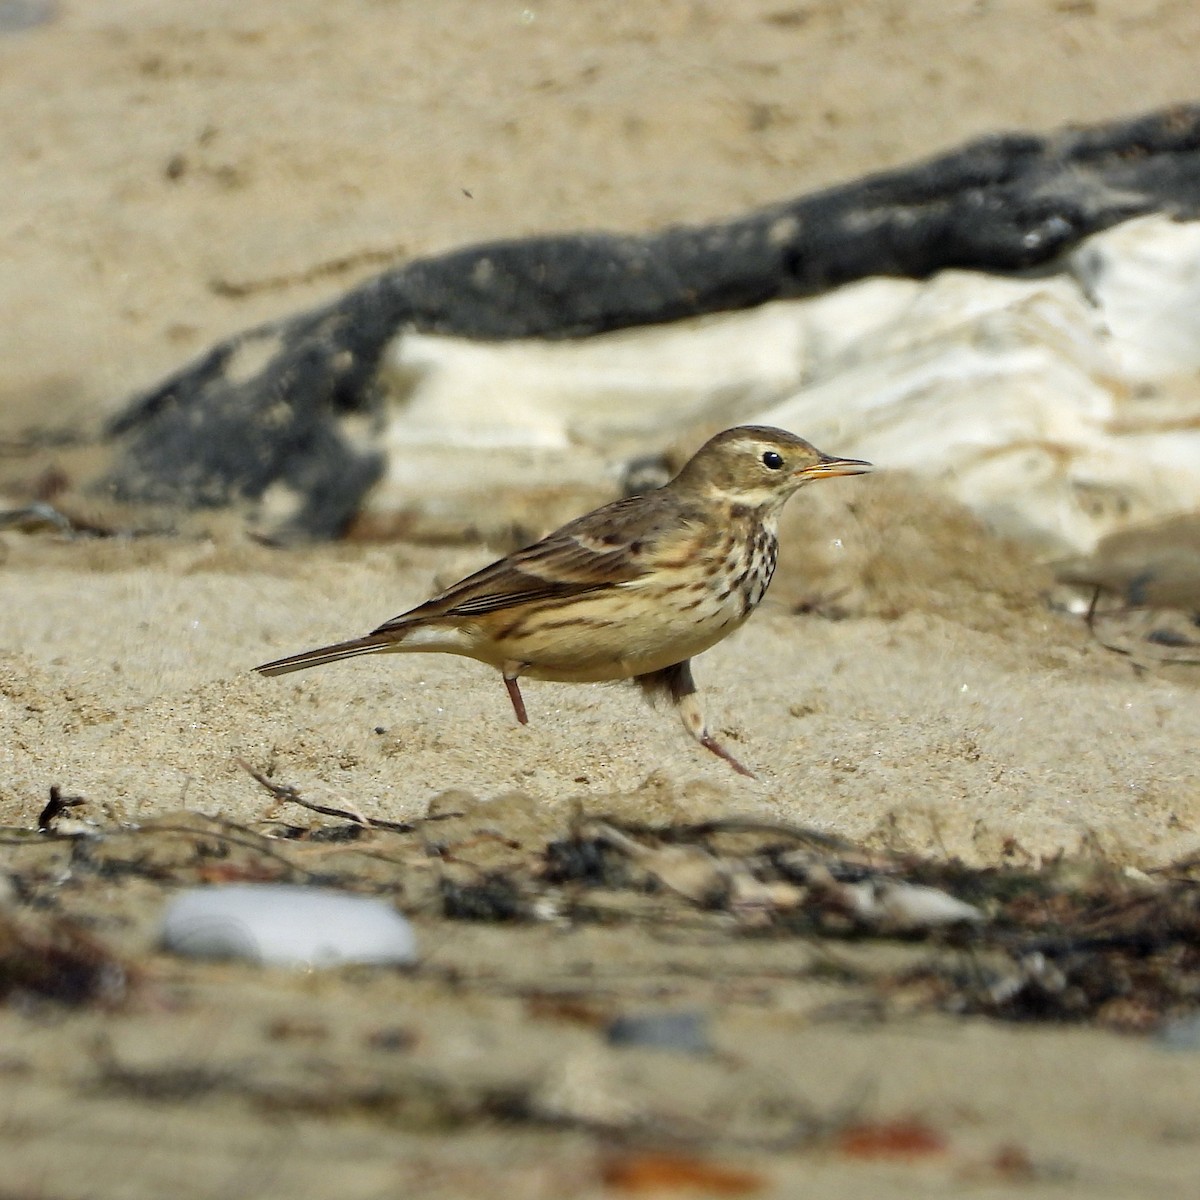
(175, 172)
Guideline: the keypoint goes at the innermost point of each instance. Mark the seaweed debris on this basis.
(1068, 940)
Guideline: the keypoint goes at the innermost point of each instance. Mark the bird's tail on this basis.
(370, 644)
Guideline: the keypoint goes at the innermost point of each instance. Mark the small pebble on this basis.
(19, 15)
(286, 925)
(684, 1032)
(1181, 1034)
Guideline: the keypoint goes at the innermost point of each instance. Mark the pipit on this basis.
(633, 590)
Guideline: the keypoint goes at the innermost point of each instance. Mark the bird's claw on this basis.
(710, 743)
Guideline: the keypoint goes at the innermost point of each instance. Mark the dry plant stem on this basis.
(288, 794)
(248, 841)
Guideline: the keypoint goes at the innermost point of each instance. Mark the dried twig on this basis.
(57, 805)
(288, 794)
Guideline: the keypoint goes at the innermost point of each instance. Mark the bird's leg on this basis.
(678, 683)
(511, 671)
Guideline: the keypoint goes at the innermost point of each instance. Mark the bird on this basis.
(632, 590)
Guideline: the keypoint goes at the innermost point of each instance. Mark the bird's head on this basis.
(758, 467)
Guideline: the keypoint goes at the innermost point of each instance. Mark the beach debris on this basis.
(35, 518)
(684, 1032)
(1181, 1034)
(903, 1140)
(51, 958)
(1066, 940)
(689, 870)
(661, 1172)
(889, 904)
(287, 925)
(55, 818)
(583, 1089)
(285, 793)
(493, 896)
(39, 516)
(757, 902)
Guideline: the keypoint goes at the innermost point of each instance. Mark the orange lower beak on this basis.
(830, 468)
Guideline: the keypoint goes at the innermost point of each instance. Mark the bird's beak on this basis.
(830, 468)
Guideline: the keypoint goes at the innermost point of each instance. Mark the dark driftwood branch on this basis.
(209, 435)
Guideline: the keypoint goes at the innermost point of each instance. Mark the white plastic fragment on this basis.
(907, 905)
(891, 904)
(286, 925)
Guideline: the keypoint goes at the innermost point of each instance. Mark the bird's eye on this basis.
(772, 460)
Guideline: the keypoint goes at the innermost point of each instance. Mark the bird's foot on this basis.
(678, 683)
(710, 743)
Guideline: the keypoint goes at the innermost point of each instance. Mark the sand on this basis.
(177, 172)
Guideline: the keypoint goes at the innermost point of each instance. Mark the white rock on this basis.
(1060, 408)
(1003, 391)
(634, 382)
(285, 925)
(1144, 277)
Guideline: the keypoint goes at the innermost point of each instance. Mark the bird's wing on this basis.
(600, 550)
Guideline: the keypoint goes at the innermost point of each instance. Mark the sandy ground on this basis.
(180, 171)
